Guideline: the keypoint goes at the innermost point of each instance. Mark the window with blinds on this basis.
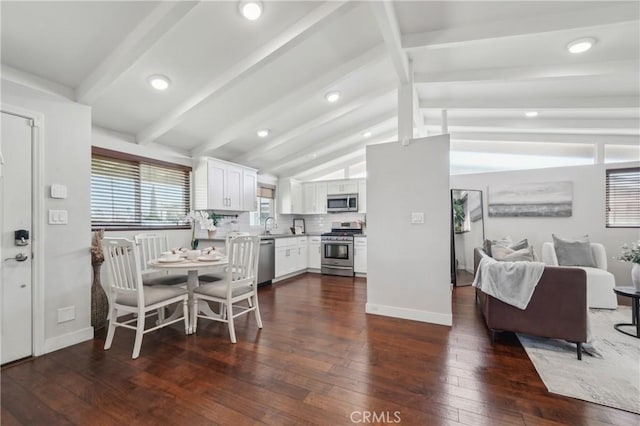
(130, 192)
(623, 198)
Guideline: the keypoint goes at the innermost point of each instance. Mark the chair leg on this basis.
(139, 334)
(232, 329)
(257, 311)
(112, 328)
(185, 314)
(493, 337)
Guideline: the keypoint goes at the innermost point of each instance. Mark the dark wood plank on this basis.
(318, 360)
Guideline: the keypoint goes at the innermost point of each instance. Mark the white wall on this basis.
(408, 273)
(105, 139)
(588, 210)
(66, 134)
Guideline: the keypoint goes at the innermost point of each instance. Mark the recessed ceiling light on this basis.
(263, 133)
(332, 97)
(251, 10)
(159, 81)
(581, 45)
(366, 134)
(531, 113)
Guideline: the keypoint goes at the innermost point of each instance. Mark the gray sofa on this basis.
(558, 307)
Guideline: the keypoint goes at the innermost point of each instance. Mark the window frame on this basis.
(607, 195)
(137, 159)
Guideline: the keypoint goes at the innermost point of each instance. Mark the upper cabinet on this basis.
(342, 187)
(220, 185)
(315, 197)
(290, 198)
(295, 197)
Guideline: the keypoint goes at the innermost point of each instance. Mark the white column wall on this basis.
(408, 264)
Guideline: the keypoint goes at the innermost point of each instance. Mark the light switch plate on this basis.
(58, 191)
(417, 217)
(58, 217)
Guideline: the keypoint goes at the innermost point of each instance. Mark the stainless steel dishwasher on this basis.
(267, 261)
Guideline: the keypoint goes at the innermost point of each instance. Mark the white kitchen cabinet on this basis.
(220, 185)
(291, 255)
(301, 260)
(249, 190)
(315, 197)
(360, 255)
(313, 253)
(286, 255)
(362, 196)
(290, 197)
(342, 187)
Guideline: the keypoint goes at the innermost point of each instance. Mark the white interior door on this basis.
(16, 212)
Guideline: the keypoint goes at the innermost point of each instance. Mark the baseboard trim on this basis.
(410, 314)
(69, 339)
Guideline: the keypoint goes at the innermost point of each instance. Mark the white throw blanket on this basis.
(510, 282)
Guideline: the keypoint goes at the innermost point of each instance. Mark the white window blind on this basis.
(623, 198)
(130, 192)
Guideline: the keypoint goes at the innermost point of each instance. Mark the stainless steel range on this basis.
(337, 248)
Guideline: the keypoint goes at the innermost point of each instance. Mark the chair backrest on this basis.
(243, 252)
(598, 251)
(151, 247)
(123, 260)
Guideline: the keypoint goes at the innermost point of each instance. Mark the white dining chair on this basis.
(129, 296)
(239, 284)
(209, 278)
(151, 247)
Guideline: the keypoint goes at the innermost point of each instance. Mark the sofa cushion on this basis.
(487, 244)
(574, 252)
(508, 254)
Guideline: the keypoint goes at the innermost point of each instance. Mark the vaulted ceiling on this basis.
(485, 63)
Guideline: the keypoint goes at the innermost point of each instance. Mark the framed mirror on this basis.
(467, 233)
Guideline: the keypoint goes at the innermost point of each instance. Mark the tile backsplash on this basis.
(318, 222)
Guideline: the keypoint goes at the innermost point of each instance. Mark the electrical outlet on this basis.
(66, 314)
(417, 217)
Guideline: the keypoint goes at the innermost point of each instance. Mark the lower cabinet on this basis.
(291, 255)
(360, 255)
(313, 253)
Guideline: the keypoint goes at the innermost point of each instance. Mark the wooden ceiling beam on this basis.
(251, 63)
(547, 72)
(322, 120)
(591, 18)
(377, 124)
(324, 82)
(144, 36)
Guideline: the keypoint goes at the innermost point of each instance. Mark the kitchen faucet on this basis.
(266, 221)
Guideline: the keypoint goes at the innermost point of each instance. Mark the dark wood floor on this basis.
(319, 360)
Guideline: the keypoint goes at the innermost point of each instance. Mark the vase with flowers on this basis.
(99, 300)
(201, 219)
(632, 254)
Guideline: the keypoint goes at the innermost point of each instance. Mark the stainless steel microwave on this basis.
(337, 203)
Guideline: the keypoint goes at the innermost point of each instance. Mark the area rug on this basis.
(613, 380)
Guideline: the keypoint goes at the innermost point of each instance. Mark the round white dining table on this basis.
(193, 269)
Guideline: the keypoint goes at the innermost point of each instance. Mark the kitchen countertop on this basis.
(274, 236)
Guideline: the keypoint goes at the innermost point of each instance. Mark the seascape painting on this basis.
(547, 199)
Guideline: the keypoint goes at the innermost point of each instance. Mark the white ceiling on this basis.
(486, 63)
